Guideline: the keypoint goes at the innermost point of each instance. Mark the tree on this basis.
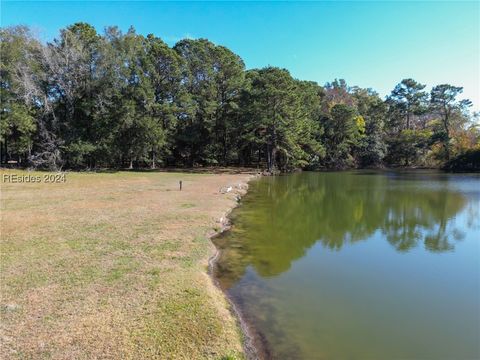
(163, 68)
(81, 42)
(213, 77)
(311, 130)
(279, 127)
(407, 99)
(443, 101)
(229, 79)
(62, 89)
(17, 113)
(337, 92)
(139, 135)
(114, 99)
(372, 147)
(343, 128)
(406, 103)
(408, 145)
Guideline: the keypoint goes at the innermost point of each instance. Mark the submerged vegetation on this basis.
(118, 99)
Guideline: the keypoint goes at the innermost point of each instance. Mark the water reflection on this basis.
(358, 265)
(292, 213)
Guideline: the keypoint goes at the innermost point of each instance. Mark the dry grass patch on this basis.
(113, 265)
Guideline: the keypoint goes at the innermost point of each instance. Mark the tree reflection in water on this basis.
(282, 217)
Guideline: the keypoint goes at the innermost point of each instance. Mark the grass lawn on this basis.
(114, 265)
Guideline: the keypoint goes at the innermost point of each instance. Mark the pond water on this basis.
(357, 265)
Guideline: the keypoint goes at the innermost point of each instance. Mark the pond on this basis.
(357, 265)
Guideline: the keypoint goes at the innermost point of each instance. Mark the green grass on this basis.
(114, 265)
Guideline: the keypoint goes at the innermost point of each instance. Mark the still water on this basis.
(357, 265)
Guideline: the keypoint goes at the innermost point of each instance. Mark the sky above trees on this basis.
(369, 44)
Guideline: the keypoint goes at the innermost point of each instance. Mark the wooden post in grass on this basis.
(180, 183)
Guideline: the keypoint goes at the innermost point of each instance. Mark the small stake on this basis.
(180, 183)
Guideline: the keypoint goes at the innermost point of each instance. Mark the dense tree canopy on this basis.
(89, 100)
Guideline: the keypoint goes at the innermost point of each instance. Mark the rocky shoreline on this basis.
(248, 342)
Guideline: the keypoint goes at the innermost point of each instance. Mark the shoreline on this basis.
(248, 339)
(140, 287)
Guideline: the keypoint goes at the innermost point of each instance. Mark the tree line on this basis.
(124, 100)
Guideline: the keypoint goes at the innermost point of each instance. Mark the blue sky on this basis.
(370, 44)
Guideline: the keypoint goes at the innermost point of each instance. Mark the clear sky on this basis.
(370, 44)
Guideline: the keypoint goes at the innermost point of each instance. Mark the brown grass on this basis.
(114, 266)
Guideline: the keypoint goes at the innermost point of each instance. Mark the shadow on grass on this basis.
(194, 170)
